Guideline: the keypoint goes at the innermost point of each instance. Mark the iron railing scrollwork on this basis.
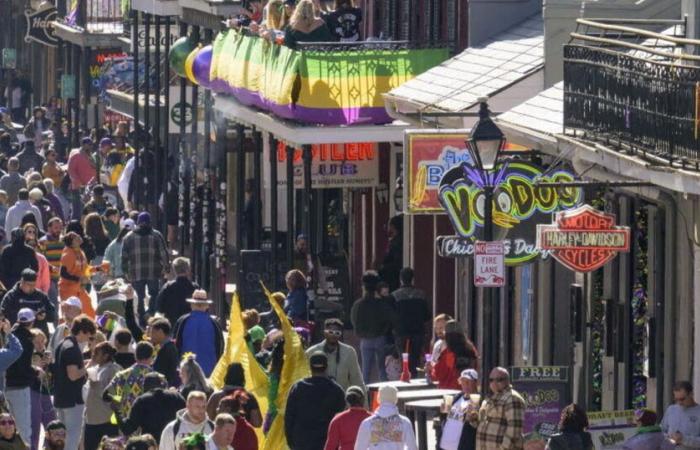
(648, 106)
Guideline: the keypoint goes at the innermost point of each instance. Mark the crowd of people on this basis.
(288, 22)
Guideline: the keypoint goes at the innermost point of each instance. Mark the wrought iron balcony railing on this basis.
(95, 16)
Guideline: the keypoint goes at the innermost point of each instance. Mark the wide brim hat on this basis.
(199, 297)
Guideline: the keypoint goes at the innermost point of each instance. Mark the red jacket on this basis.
(245, 437)
(445, 372)
(342, 431)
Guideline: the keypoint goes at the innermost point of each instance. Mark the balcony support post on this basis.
(207, 225)
(273, 208)
(85, 83)
(306, 197)
(183, 191)
(257, 194)
(240, 189)
(135, 52)
(166, 127)
(160, 159)
(194, 151)
(146, 177)
(290, 206)
(76, 100)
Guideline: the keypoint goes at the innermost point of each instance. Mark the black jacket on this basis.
(172, 298)
(372, 317)
(152, 411)
(412, 311)
(13, 260)
(21, 374)
(167, 362)
(306, 427)
(16, 299)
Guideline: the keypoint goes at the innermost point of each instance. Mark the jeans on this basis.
(372, 349)
(140, 288)
(42, 414)
(414, 352)
(53, 297)
(20, 401)
(94, 433)
(72, 418)
(76, 204)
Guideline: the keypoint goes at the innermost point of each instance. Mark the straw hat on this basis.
(200, 297)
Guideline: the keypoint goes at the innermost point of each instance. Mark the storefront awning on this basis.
(484, 70)
(297, 134)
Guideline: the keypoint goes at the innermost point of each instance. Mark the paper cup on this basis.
(475, 398)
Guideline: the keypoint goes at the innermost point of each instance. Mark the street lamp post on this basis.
(486, 144)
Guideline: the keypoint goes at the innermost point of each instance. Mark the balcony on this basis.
(326, 83)
(638, 93)
(91, 23)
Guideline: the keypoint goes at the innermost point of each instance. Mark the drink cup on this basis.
(105, 266)
(475, 398)
(447, 402)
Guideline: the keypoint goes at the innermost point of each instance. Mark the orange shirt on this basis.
(75, 263)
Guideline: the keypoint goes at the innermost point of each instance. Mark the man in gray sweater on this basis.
(681, 423)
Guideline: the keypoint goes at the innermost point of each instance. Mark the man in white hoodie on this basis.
(192, 419)
(386, 429)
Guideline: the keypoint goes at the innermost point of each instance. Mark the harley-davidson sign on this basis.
(583, 239)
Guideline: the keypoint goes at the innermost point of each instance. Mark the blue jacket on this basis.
(8, 355)
(296, 304)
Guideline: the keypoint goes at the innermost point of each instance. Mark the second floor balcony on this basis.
(320, 83)
(638, 93)
(91, 23)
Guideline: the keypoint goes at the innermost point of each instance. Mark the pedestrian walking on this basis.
(82, 169)
(127, 385)
(74, 271)
(499, 421)
(649, 435)
(167, 358)
(373, 319)
(70, 309)
(10, 351)
(113, 253)
(172, 298)
(192, 419)
(412, 315)
(51, 246)
(145, 260)
(234, 381)
(29, 159)
(192, 377)
(16, 257)
(681, 422)
(342, 431)
(245, 437)
(198, 333)
(154, 409)
(343, 365)
(70, 375)
(457, 432)
(98, 413)
(12, 182)
(41, 390)
(386, 429)
(14, 216)
(24, 294)
(20, 375)
(296, 305)
(224, 430)
(572, 433)
(307, 428)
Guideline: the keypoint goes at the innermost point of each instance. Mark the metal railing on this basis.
(96, 16)
(646, 106)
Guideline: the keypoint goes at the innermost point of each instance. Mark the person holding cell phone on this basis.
(681, 423)
(457, 432)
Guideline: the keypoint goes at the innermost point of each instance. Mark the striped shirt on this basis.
(52, 249)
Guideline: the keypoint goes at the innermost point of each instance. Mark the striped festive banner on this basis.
(325, 87)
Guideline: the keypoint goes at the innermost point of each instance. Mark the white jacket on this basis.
(386, 429)
(168, 440)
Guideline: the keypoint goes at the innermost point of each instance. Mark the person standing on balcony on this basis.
(306, 26)
(344, 21)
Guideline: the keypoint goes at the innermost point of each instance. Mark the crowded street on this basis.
(349, 225)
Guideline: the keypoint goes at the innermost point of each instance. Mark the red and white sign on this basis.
(583, 239)
(489, 264)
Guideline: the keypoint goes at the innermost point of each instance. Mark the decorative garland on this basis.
(181, 187)
(639, 308)
(598, 322)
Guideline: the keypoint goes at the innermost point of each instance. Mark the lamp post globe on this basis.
(487, 141)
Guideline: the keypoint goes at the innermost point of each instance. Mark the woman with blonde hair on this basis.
(277, 20)
(306, 26)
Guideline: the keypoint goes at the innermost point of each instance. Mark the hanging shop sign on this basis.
(40, 25)
(546, 392)
(9, 58)
(174, 35)
(353, 165)
(489, 264)
(583, 239)
(610, 429)
(428, 155)
(107, 69)
(519, 205)
(67, 86)
(175, 110)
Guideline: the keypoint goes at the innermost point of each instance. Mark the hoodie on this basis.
(176, 430)
(386, 429)
(16, 299)
(14, 259)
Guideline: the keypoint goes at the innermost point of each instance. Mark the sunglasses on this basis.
(7, 422)
(497, 380)
(336, 333)
(58, 433)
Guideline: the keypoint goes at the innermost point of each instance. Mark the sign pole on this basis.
(488, 355)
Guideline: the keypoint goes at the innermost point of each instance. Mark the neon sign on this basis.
(519, 204)
(583, 239)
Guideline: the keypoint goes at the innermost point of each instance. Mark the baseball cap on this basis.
(86, 140)
(143, 218)
(105, 141)
(469, 374)
(4, 110)
(25, 315)
(355, 390)
(129, 224)
(318, 360)
(74, 301)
